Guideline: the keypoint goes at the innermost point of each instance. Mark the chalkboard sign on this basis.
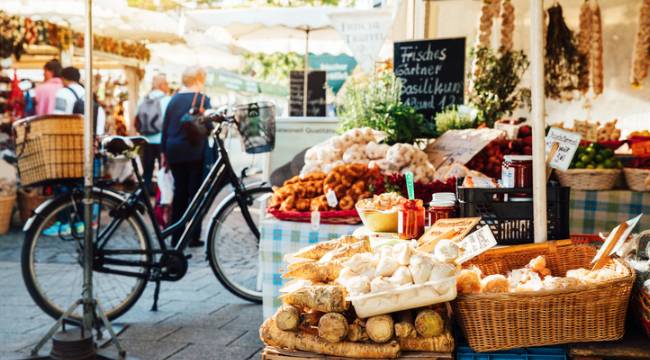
(316, 95)
(432, 72)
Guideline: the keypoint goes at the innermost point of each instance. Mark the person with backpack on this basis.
(149, 123)
(70, 99)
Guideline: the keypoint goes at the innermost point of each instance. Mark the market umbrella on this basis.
(112, 18)
(267, 30)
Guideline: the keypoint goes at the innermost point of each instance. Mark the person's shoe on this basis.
(196, 243)
(79, 227)
(58, 229)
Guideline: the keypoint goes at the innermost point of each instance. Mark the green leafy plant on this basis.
(375, 103)
(455, 118)
(495, 88)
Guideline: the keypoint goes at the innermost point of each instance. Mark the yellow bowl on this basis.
(379, 220)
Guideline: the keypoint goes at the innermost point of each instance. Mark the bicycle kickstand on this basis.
(156, 292)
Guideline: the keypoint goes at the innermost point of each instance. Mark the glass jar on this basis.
(442, 206)
(410, 220)
(517, 171)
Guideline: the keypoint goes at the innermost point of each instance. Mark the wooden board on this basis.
(272, 353)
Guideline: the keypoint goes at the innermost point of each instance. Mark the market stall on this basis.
(451, 185)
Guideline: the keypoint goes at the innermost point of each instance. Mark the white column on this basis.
(537, 115)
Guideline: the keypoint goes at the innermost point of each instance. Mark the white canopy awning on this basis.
(112, 18)
(271, 29)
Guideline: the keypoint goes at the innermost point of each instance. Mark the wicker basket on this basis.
(28, 200)
(6, 210)
(587, 179)
(49, 148)
(637, 179)
(524, 319)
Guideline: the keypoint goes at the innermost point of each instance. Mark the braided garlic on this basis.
(597, 50)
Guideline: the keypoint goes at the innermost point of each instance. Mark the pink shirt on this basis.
(46, 94)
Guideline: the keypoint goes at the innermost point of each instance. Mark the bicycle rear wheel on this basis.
(52, 255)
(233, 244)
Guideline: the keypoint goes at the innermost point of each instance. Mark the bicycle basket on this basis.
(49, 148)
(256, 124)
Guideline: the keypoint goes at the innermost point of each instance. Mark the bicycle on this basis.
(124, 259)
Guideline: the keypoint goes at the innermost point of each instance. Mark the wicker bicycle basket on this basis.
(594, 312)
(589, 179)
(49, 148)
(637, 179)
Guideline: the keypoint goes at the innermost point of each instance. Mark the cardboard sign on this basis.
(615, 240)
(433, 74)
(316, 93)
(476, 243)
(568, 144)
(461, 145)
(450, 229)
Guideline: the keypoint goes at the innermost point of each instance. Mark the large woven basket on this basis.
(6, 210)
(637, 179)
(511, 320)
(28, 201)
(49, 148)
(589, 179)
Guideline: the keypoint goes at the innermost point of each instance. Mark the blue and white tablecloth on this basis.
(595, 211)
(279, 238)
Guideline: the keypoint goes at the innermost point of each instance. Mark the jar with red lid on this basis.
(517, 171)
(442, 206)
(410, 220)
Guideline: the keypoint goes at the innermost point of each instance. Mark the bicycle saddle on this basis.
(123, 145)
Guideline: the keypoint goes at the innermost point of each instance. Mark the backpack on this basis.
(149, 116)
(79, 108)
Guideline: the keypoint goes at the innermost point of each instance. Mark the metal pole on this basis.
(305, 79)
(538, 121)
(87, 292)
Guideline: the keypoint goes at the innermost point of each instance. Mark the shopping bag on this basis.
(165, 181)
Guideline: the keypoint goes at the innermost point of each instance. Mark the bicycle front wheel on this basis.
(52, 255)
(233, 244)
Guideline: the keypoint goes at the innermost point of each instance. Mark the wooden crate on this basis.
(272, 353)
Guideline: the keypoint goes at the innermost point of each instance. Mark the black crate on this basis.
(510, 218)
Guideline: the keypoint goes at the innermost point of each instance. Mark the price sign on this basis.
(568, 143)
(476, 243)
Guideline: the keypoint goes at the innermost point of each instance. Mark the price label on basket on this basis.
(567, 144)
(476, 243)
(614, 241)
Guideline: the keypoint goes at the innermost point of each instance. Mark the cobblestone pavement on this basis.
(197, 317)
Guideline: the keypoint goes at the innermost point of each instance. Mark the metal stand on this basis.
(80, 343)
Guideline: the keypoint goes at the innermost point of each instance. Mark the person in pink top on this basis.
(46, 92)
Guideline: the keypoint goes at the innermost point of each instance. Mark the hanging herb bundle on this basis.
(496, 91)
(563, 61)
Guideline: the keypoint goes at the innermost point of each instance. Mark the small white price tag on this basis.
(332, 201)
(568, 144)
(315, 220)
(476, 243)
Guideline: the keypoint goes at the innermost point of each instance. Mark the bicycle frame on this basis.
(221, 175)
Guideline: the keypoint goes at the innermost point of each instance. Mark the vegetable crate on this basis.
(585, 313)
(49, 148)
(539, 353)
(509, 212)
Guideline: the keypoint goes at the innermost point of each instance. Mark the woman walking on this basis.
(182, 151)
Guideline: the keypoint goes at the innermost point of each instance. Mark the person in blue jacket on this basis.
(181, 153)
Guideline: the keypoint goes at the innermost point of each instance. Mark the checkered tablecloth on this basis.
(595, 211)
(284, 237)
